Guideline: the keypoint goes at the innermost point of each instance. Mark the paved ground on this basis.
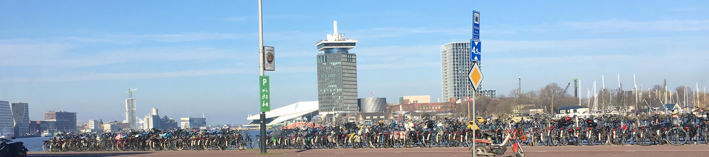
(575, 151)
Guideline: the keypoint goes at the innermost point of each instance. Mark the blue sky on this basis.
(192, 57)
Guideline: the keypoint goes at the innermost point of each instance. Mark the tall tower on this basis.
(130, 109)
(6, 120)
(455, 66)
(21, 115)
(337, 74)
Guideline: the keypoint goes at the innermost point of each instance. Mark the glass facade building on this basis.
(21, 116)
(65, 121)
(6, 121)
(337, 74)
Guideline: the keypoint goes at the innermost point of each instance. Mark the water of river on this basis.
(33, 144)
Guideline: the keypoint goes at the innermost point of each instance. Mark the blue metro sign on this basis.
(475, 50)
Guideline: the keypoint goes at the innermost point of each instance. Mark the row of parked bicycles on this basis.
(537, 130)
(616, 130)
(152, 140)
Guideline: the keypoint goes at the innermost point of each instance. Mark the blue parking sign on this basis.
(475, 50)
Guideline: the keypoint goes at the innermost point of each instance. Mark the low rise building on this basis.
(573, 111)
(435, 110)
(416, 99)
(193, 123)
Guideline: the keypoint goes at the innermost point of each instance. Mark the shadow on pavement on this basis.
(302, 150)
(107, 154)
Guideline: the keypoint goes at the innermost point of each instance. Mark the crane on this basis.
(567, 87)
(131, 91)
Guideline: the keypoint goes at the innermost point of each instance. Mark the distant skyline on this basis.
(190, 58)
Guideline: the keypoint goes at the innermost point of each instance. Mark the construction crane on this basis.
(567, 87)
(130, 92)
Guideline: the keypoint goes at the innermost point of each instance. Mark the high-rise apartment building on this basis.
(131, 118)
(455, 66)
(337, 74)
(21, 117)
(6, 120)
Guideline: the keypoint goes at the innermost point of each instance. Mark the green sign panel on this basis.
(265, 94)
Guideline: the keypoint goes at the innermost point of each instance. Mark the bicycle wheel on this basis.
(676, 136)
(644, 140)
(706, 135)
(591, 140)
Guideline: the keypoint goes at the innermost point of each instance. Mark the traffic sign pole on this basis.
(475, 121)
(475, 75)
(476, 78)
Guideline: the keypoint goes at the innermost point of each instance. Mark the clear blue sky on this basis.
(192, 57)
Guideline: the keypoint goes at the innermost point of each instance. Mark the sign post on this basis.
(475, 76)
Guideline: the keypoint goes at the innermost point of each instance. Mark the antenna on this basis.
(696, 93)
(603, 82)
(131, 91)
(620, 86)
(588, 95)
(578, 91)
(595, 97)
(635, 83)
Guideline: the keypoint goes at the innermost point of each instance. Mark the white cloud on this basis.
(87, 76)
(391, 32)
(10, 51)
(397, 65)
(629, 25)
(53, 56)
(168, 38)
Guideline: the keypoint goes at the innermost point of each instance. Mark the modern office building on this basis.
(7, 128)
(65, 121)
(152, 120)
(131, 118)
(192, 123)
(455, 66)
(337, 74)
(167, 123)
(21, 118)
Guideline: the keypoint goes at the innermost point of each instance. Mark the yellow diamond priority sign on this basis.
(475, 76)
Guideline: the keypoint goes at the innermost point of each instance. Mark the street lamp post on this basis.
(262, 120)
